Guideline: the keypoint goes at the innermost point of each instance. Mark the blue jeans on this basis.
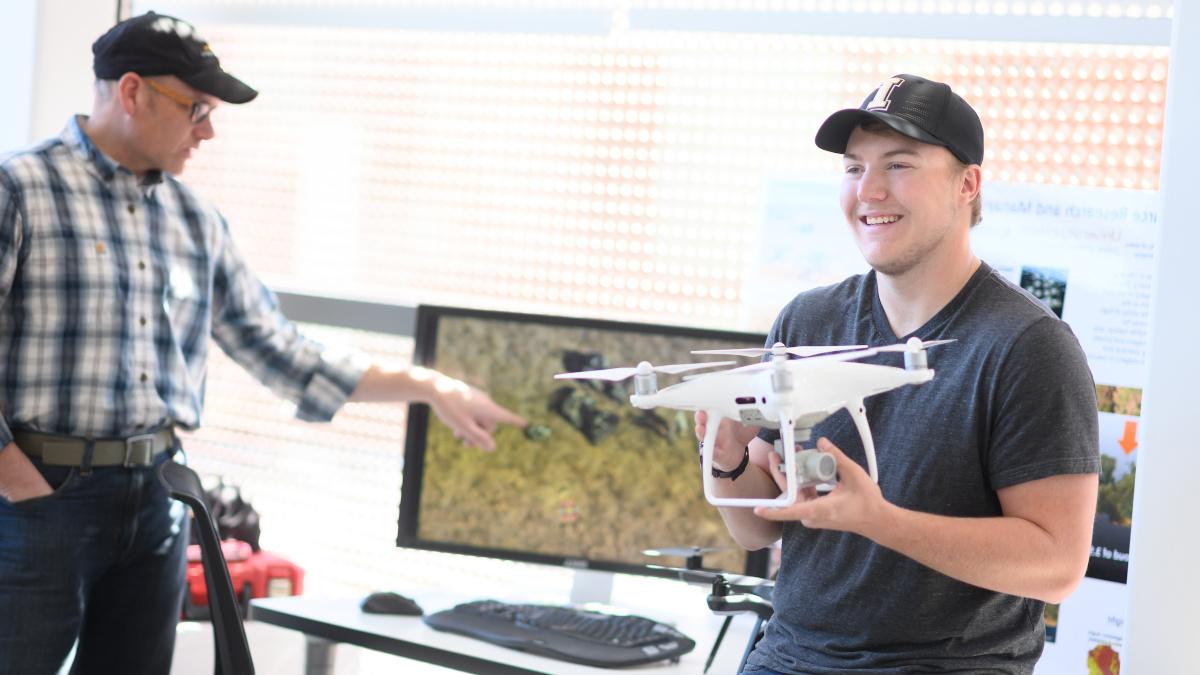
(101, 561)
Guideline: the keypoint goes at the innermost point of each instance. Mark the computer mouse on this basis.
(386, 602)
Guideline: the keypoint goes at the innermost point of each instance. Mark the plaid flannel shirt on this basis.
(109, 290)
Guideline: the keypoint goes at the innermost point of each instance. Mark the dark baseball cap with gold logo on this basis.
(915, 107)
(157, 44)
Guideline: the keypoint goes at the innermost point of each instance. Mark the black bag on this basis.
(235, 517)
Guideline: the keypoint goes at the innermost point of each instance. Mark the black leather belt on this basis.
(57, 450)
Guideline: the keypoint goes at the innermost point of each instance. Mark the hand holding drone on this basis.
(792, 395)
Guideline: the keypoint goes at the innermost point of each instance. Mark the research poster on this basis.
(1088, 254)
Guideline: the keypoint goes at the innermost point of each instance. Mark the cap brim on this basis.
(835, 131)
(222, 85)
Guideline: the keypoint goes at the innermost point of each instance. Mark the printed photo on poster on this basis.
(1046, 284)
(1120, 409)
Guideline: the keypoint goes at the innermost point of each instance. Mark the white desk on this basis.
(329, 621)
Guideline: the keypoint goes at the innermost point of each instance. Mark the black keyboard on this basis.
(565, 633)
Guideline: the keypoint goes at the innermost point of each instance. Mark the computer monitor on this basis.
(592, 482)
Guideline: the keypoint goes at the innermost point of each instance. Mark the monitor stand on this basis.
(591, 587)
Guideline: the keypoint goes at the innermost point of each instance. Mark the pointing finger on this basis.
(477, 436)
(506, 416)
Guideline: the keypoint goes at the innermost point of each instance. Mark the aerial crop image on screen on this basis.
(592, 476)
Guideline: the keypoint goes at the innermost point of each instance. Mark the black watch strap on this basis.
(741, 468)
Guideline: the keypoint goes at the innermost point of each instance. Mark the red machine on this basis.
(254, 575)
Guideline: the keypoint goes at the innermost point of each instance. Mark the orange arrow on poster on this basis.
(1129, 440)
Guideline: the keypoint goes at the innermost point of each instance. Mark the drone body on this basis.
(791, 395)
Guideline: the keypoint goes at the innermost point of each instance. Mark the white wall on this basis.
(1164, 577)
(63, 73)
(19, 18)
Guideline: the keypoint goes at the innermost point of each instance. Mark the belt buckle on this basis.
(139, 450)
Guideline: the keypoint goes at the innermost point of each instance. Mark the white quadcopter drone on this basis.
(792, 395)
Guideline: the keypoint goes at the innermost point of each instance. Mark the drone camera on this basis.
(818, 466)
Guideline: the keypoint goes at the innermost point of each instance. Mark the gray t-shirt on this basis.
(1012, 401)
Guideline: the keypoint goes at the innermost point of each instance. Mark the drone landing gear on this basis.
(858, 412)
(724, 601)
(801, 468)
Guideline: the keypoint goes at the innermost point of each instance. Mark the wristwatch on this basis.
(741, 468)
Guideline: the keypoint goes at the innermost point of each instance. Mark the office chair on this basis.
(229, 636)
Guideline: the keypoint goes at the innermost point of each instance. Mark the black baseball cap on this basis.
(157, 44)
(915, 107)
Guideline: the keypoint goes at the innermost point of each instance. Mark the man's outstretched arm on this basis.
(470, 413)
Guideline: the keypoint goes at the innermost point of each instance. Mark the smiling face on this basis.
(907, 202)
(165, 135)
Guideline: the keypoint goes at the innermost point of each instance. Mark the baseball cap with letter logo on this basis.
(913, 106)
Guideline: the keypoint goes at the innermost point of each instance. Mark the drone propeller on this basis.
(767, 365)
(704, 577)
(795, 351)
(913, 344)
(683, 551)
(643, 368)
(693, 556)
(749, 368)
(912, 347)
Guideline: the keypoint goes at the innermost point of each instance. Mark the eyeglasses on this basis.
(199, 110)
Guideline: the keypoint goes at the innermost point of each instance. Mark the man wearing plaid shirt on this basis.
(113, 275)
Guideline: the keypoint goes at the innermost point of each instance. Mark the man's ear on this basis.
(132, 93)
(970, 183)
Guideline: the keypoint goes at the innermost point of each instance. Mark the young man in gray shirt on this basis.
(987, 475)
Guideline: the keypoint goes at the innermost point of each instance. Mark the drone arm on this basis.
(858, 412)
